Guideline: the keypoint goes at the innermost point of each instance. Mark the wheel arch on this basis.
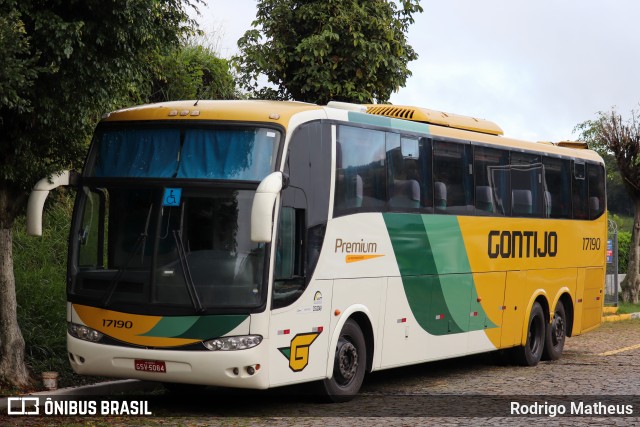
(567, 302)
(360, 314)
(541, 297)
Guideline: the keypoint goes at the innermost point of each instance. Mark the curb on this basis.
(619, 317)
(99, 389)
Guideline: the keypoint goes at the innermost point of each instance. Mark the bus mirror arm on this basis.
(263, 204)
(39, 194)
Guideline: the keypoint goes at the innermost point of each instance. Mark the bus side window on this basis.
(360, 170)
(579, 191)
(527, 191)
(288, 281)
(557, 182)
(405, 178)
(492, 180)
(453, 178)
(597, 200)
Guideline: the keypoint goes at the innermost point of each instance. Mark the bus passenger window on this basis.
(557, 182)
(492, 179)
(453, 177)
(596, 190)
(579, 191)
(360, 170)
(527, 190)
(289, 281)
(405, 177)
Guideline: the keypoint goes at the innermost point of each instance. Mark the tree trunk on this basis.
(13, 369)
(631, 284)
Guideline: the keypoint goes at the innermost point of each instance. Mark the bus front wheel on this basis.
(349, 364)
(531, 352)
(555, 335)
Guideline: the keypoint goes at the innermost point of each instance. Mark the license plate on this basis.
(150, 366)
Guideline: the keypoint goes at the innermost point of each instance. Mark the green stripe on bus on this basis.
(196, 327)
(435, 270)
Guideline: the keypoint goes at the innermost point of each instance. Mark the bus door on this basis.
(299, 327)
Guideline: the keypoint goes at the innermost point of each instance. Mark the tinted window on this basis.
(492, 180)
(597, 201)
(526, 185)
(452, 178)
(557, 188)
(360, 170)
(409, 160)
(579, 191)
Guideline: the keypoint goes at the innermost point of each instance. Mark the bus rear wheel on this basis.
(531, 352)
(555, 335)
(349, 364)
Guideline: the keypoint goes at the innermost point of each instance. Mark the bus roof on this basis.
(439, 118)
(244, 110)
(280, 112)
(478, 130)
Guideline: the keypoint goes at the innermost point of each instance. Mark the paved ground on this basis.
(600, 367)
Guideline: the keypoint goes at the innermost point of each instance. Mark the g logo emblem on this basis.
(298, 353)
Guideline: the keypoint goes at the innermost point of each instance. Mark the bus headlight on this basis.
(233, 343)
(84, 332)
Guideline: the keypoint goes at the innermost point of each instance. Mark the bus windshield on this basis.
(195, 255)
(241, 153)
(148, 233)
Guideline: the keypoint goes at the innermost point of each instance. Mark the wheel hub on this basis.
(557, 329)
(347, 361)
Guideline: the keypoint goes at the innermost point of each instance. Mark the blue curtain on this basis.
(138, 153)
(227, 154)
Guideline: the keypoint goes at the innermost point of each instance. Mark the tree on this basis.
(323, 50)
(610, 133)
(64, 63)
(190, 71)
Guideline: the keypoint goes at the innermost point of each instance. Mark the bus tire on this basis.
(556, 334)
(349, 365)
(531, 352)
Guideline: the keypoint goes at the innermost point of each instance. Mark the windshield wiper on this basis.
(186, 272)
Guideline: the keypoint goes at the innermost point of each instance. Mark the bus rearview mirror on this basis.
(38, 196)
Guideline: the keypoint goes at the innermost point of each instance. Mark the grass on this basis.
(40, 272)
(627, 307)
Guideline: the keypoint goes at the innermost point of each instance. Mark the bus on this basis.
(257, 244)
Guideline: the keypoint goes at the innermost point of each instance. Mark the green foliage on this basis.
(40, 271)
(323, 50)
(191, 71)
(613, 136)
(79, 59)
(624, 223)
(19, 71)
(618, 201)
(624, 245)
(627, 307)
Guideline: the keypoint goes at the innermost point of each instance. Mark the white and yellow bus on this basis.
(257, 244)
